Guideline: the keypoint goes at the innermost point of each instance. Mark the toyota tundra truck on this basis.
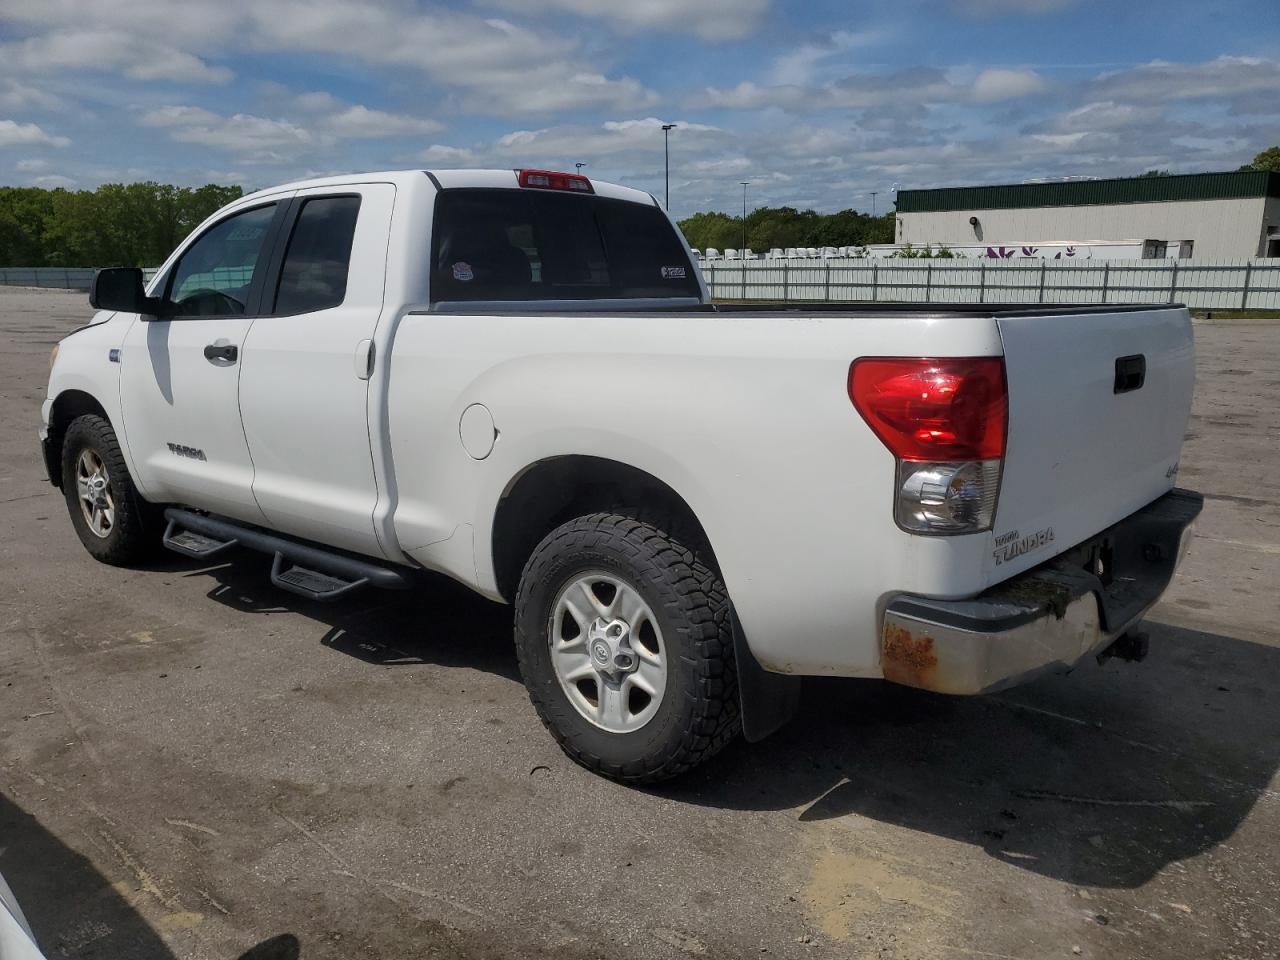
(517, 379)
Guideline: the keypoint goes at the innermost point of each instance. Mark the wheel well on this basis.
(554, 491)
(68, 405)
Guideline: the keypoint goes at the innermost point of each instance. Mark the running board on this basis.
(196, 545)
(316, 572)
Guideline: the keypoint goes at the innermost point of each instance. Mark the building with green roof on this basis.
(1211, 216)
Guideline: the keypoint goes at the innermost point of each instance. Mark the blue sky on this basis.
(817, 103)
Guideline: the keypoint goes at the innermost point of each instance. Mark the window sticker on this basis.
(673, 273)
(462, 271)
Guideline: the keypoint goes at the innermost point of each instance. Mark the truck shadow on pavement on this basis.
(1101, 778)
(443, 623)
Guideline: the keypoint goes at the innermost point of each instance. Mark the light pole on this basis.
(874, 194)
(745, 184)
(578, 166)
(666, 157)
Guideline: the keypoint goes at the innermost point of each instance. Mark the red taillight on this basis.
(551, 180)
(940, 410)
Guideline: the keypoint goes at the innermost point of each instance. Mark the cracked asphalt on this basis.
(196, 765)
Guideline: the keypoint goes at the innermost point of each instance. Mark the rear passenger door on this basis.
(304, 379)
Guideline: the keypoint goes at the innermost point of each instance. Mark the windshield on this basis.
(497, 244)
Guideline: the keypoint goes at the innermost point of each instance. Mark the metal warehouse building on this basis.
(1206, 215)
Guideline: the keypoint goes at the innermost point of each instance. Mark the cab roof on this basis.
(451, 179)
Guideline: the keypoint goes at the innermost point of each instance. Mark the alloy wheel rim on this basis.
(607, 652)
(93, 488)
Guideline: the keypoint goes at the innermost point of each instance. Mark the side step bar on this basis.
(316, 573)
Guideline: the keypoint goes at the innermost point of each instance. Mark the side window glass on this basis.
(318, 258)
(212, 279)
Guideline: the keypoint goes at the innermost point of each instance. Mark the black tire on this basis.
(134, 532)
(699, 711)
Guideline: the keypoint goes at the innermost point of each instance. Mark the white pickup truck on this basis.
(516, 378)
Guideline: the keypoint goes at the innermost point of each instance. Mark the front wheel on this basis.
(112, 520)
(625, 644)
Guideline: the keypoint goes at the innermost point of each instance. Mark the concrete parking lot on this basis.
(196, 765)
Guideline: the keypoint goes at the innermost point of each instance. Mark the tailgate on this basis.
(1098, 407)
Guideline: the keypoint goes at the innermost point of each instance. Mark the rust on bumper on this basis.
(908, 658)
(1046, 619)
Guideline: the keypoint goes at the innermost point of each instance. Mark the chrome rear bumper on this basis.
(1046, 619)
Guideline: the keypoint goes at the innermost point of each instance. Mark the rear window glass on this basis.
(314, 275)
(539, 245)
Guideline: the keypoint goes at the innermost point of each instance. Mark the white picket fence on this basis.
(1234, 285)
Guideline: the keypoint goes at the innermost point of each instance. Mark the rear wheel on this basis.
(112, 520)
(626, 647)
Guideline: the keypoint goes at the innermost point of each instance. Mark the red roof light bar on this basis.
(554, 180)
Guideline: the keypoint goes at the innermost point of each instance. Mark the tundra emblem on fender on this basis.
(192, 453)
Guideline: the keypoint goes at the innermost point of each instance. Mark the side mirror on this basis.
(120, 288)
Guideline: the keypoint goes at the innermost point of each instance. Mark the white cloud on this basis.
(500, 67)
(31, 165)
(802, 65)
(359, 122)
(314, 100)
(992, 86)
(1222, 79)
(14, 134)
(569, 144)
(709, 19)
(916, 85)
(261, 139)
(1108, 115)
(440, 153)
(15, 95)
(53, 181)
(749, 95)
(998, 8)
(109, 49)
(239, 133)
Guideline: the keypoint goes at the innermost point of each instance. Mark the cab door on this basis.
(304, 379)
(180, 372)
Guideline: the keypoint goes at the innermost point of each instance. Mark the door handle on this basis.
(364, 359)
(1131, 373)
(226, 352)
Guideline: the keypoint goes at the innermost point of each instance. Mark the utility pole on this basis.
(745, 184)
(666, 157)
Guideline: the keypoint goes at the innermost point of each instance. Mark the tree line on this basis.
(116, 225)
(139, 224)
(769, 227)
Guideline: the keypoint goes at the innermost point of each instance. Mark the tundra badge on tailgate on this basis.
(1009, 546)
